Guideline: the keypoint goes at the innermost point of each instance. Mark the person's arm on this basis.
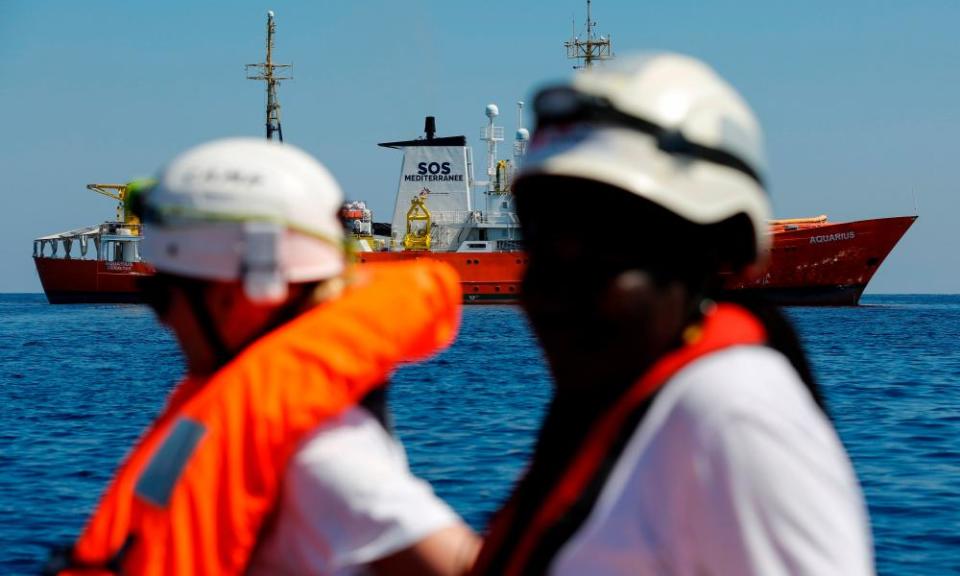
(350, 503)
(450, 551)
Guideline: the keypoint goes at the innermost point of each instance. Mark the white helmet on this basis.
(245, 209)
(662, 126)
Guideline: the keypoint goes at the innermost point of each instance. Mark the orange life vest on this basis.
(725, 326)
(194, 494)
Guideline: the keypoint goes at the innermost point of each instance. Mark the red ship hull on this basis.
(812, 263)
(76, 281)
(486, 277)
(824, 264)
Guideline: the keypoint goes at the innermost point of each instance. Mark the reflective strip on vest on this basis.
(160, 476)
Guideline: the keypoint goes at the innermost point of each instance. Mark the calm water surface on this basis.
(79, 383)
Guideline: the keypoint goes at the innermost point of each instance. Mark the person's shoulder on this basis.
(746, 401)
(346, 448)
(743, 382)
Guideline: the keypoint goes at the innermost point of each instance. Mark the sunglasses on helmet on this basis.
(562, 105)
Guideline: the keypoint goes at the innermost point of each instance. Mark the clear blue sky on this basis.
(860, 100)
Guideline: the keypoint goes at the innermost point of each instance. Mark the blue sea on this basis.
(79, 383)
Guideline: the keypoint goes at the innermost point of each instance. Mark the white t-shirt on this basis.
(734, 470)
(348, 498)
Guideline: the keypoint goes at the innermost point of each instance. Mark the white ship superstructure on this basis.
(441, 207)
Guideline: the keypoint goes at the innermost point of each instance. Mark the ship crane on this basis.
(119, 193)
(271, 74)
(590, 49)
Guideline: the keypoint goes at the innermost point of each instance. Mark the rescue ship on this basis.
(441, 212)
(93, 264)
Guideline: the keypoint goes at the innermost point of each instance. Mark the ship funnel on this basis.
(435, 174)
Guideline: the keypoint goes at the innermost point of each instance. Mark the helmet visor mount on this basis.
(565, 106)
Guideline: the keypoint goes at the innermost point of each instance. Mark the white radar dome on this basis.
(523, 134)
(492, 111)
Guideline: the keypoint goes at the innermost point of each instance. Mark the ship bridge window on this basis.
(476, 245)
(121, 251)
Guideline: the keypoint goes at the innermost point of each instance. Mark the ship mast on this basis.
(491, 135)
(271, 74)
(590, 49)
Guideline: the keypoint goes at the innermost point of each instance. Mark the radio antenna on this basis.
(271, 74)
(590, 49)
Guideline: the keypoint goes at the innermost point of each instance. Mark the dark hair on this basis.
(713, 251)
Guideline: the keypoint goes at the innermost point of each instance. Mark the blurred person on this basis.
(686, 434)
(273, 455)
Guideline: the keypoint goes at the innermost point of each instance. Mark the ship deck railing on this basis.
(105, 234)
(462, 217)
(451, 217)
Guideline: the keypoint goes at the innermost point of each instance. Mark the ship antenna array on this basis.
(271, 74)
(590, 49)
